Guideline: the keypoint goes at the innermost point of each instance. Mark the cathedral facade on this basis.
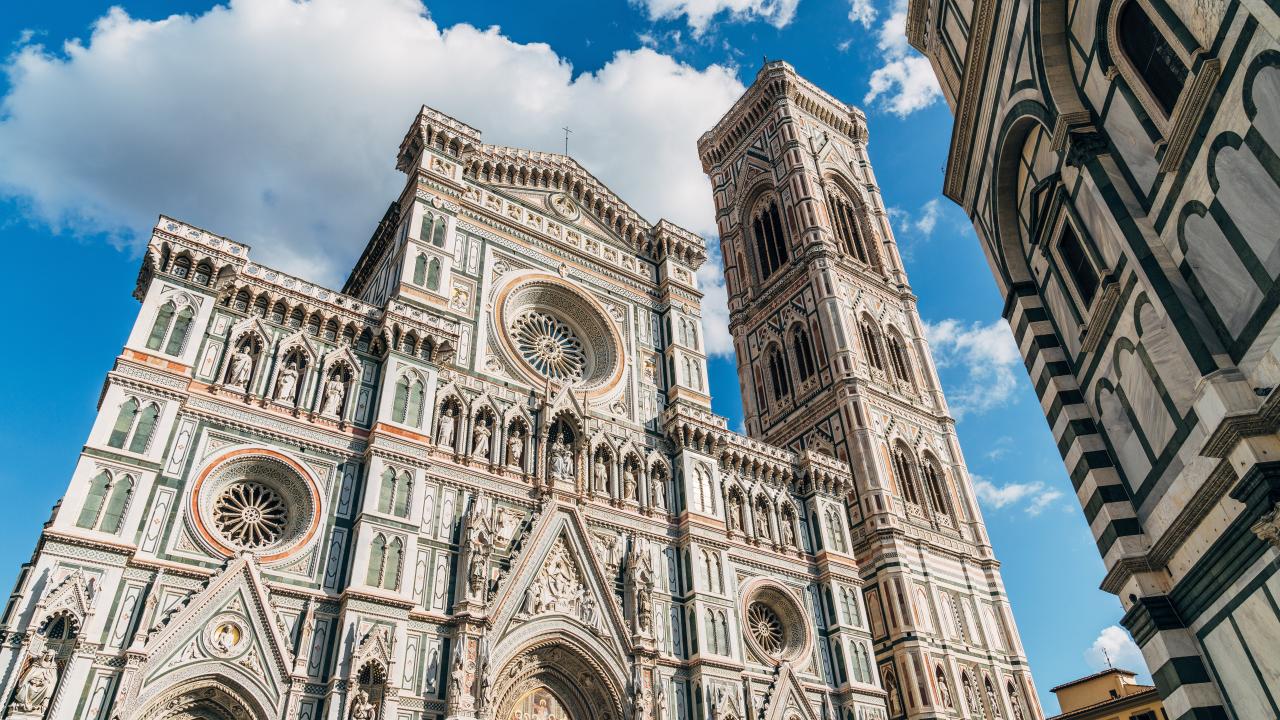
(484, 480)
(1118, 159)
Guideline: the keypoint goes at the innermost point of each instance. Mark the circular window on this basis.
(251, 514)
(556, 332)
(256, 501)
(549, 345)
(776, 627)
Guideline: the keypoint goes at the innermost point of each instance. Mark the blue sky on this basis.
(276, 122)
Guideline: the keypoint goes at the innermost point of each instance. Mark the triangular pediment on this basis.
(558, 575)
(227, 628)
(788, 700)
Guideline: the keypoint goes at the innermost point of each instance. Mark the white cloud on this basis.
(715, 303)
(928, 218)
(1114, 648)
(862, 11)
(905, 81)
(988, 356)
(276, 122)
(700, 13)
(1033, 497)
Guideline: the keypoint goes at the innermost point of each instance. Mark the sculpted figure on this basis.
(287, 384)
(660, 493)
(361, 708)
(601, 474)
(788, 533)
(561, 461)
(515, 449)
(334, 390)
(660, 702)
(629, 483)
(480, 443)
(36, 685)
(241, 368)
(446, 427)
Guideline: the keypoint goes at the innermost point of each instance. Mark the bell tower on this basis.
(832, 359)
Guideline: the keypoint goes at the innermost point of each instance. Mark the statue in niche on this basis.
(629, 483)
(334, 392)
(241, 368)
(589, 612)
(515, 448)
(788, 532)
(561, 460)
(601, 474)
(660, 492)
(945, 693)
(735, 515)
(660, 702)
(433, 668)
(35, 686)
(361, 708)
(287, 383)
(480, 443)
(446, 427)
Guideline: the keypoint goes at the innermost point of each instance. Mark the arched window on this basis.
(94, 500)
(170, 329)
(806, 366)
(904, 471)
(437, 235)
(420, 270)
(1153, 58)
(391, 569)
(770, 240)
(260, 306)
(377, 560)
(120, 492)
(242, 301)
(1077, 264)
(407, 406)
(182, 266)
(779, 374)
(134, 426)
(898, 359)
(144, 429)
(404, 491)
(845, 224)
(164, 317)
(933, 483)
(387, 493)
(433, 274)
(424, 232)
(204, 272)
(871, 344)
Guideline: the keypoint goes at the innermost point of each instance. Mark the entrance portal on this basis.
(538, 704)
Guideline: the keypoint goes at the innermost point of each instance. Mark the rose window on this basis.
(765, 627)
(550, 346)
(250, 514)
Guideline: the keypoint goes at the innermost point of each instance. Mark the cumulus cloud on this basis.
(276, 122)
(715, 304)
(904, 82)
(862, 11)
(1033, 497)
(1114, 648)
(927, 220)
(987, 356)
(700, 13)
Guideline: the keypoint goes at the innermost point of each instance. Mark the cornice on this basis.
(975, 70)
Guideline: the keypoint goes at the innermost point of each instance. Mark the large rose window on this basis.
(549, 345)
(257, 501)
(555, 331)
(776, 628)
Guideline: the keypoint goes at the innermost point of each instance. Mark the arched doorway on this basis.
(209, 699)
(555, 682)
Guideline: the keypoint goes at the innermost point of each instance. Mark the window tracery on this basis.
(134, 426)
(770, 240)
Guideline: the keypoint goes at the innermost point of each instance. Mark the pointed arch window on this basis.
(106, 502)
(134, 426)
(170, 328)
(779, 374)
(204, 272)
(871, 344)
(770, 240)
(407, 406)
(1155, 60)
(94, 500)
(420, 270)
(433, 274)
(898, 359)
(377, 561)
(903, 470)
(933, 483)
(391, 569)
(847, 229)
(806, 365)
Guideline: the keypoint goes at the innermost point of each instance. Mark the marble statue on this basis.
(480, 441)
(241, 368)
(287, 384)
(446, 427)
(334, 391)
(35, 686)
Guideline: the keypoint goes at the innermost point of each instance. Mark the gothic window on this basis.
(770, 240)
(898, 358)
(779, 374)
(433, 274)
(420, 270)
(242, 301)
(1075, 261)
(395, 494)
(204, 272)
(871, 344)
(182, 267)
(835, 529)
(391, 570)
(934, 485)
(1155, 60)
(377, 559)
(134, 426)
(806, 366)
(278, 312)
(845, 223)
(407, 407)
(384, 562)
(296, 317)
(331, 329)
(170, 331)
(904, 471)
(105, 503)
(313, 325)
(260, 306)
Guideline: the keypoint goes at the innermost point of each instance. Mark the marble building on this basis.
(1118, 159)
(484, 480)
